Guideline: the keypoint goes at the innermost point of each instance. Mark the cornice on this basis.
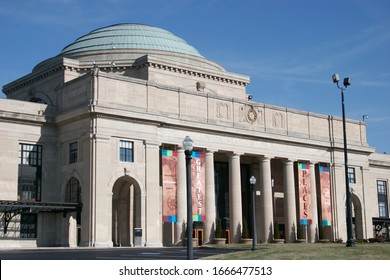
(56, 64)
(25, 121)
(29, 79)
(48, 68)
(190, 70)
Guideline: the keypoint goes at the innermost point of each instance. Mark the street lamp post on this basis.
(346, 83)
(188, 145)
(252, 180)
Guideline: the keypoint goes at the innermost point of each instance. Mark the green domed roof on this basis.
(130, 36)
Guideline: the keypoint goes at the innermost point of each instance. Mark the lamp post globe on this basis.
(252, 180)
(188, 144)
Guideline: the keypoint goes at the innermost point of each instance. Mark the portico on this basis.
(277, 183)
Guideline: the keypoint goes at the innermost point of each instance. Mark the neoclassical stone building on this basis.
(91, 152)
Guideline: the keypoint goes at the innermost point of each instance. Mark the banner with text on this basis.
(326, 205)
(198, 180)
(304, 194)
(169, 180)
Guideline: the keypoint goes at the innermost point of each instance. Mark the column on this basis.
(235, 207)
(290, 209)
(115, 232)
(72, 230)
(209, 226)
(266, 205)
(131, 215)
(181, 200)
(313, 230)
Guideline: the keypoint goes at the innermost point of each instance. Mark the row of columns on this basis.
(265, 215)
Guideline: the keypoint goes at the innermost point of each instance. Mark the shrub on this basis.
(276, 230)
(245, 230)
(299, 232)
(218, 229)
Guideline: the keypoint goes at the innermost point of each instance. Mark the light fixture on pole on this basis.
(350, 240)
(252, 180)
(188, 145)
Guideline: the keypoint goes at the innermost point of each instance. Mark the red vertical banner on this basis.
(326, 205)
(305, 213)
(198, 181)
(169, 180)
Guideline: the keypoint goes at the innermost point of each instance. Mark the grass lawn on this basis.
(316, 251)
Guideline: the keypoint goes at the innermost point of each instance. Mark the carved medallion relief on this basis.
(251, 114)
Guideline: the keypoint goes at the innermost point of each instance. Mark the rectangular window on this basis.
(28, 226)
(352, 175)
(73, 151)
(30, 172)
(126, 151)
(30, 154)
(382, 199)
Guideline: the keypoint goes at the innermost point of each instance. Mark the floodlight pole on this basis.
(350, 240)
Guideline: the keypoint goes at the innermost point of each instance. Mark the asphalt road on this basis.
(137, 253)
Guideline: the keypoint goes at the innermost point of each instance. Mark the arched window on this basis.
(73, 191)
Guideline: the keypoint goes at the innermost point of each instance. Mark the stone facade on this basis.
(151, 100)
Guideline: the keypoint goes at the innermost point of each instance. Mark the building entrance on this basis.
(126, 212)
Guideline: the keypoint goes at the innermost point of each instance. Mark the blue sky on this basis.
(290, 49)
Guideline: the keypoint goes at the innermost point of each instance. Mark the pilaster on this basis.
(153, 219)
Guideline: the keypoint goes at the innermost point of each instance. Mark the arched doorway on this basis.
(126, 211)
(73, 195)
(357, 215)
